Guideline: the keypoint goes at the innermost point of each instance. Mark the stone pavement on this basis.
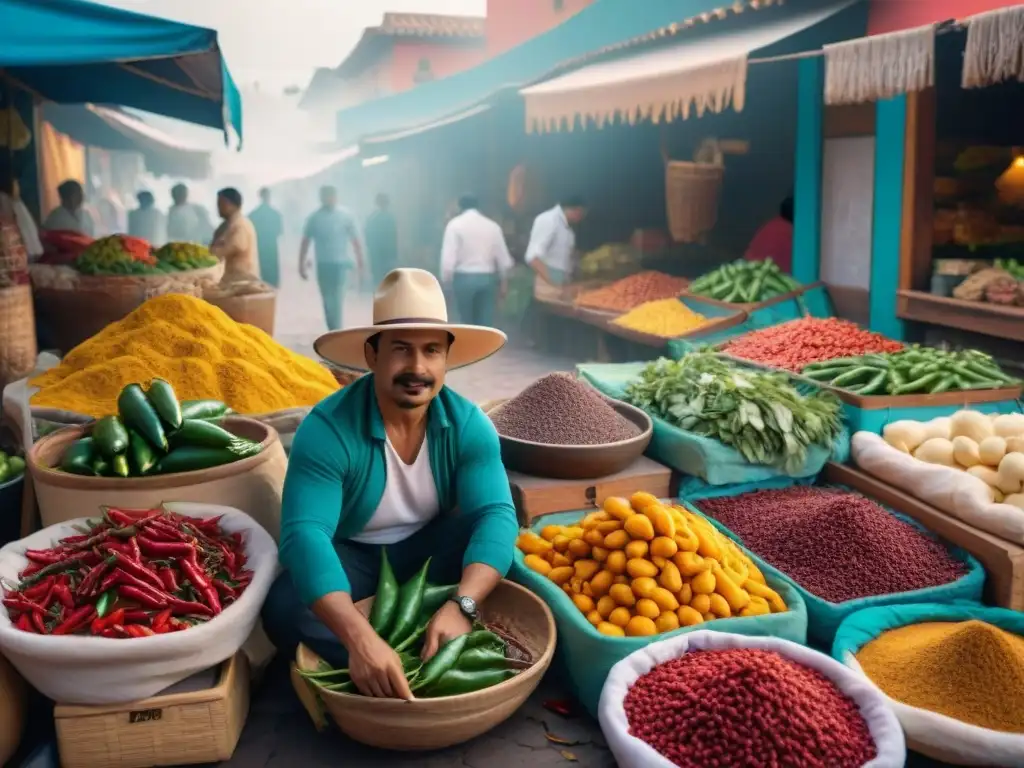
(279, 733)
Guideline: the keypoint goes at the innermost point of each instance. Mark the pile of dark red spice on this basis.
(746, 707)
(836, 544)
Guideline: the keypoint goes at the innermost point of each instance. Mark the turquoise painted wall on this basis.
(890, 143)
(807, 182)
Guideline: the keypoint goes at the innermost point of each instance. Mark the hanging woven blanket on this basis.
(880, 66)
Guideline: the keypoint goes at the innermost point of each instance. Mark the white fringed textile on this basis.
(995, 47)
(665, 97)
(880, 67)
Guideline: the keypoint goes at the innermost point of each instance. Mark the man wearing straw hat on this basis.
(395, 460)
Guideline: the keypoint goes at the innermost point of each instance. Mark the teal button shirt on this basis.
(337, 472)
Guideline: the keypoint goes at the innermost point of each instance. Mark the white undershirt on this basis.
(409, 501)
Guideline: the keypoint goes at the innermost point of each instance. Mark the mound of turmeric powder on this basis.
(195, 346)
(971, 671)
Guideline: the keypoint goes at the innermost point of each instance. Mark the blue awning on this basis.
(600, 26)
(113, 129)
(73, 52)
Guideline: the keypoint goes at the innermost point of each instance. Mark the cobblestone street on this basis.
(279, 733)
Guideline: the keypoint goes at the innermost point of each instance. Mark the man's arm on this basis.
(542, 235)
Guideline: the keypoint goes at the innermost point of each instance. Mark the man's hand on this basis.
(303, 268)
(447, 624)
(376, 669)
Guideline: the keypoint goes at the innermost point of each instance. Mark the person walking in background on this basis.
(269, 228)
(475, 262)
(235, 241)
(147, 221)
(774, 240)
(381, 234)
(187, 222)
(331, 229)
(71, 215)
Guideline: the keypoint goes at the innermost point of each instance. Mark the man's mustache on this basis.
(410, 379)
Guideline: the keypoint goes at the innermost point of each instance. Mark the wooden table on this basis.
(536, 496)
(1003, 560)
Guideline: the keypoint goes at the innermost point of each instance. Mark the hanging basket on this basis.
(692, 191)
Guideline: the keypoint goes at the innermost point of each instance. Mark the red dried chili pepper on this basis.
(114, 633)
(133, 546)
(143, 597)
(138, 570)
(18, 603)
(165, 532)
(63, 594)
(39, 590)
(135, 616)
(90, 583)
(38, 623)
(76, 620)
(161, 619)
(44, 556)
(24, 623)
(169, 579)
(225, 589)
(31, 570)
(138, 630)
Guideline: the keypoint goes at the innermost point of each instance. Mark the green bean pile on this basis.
(744, 282)
(914, 371)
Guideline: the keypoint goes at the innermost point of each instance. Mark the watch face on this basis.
(468, 605)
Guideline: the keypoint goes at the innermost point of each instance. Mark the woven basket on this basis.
(17, 333)
(13, 256)
(438, 723)
(74, 307)
(692, 192)
(254, 308)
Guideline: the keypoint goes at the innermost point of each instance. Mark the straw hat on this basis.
(409, 300)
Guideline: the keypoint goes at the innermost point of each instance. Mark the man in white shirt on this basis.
(71, 215)
(475, 262)
(147, 221)
(553, 242)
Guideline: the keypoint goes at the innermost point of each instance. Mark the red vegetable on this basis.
(797, 343)
(146, 556)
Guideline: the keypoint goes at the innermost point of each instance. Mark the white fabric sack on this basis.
(949, 740)
(17, 394)
(98, 670)
(631, 752)
(951, 490)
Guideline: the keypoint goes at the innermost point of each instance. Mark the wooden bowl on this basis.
(426, 724)
(577, 462)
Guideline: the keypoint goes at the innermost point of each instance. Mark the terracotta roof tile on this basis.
(431, 25)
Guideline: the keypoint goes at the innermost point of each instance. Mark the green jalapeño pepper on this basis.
(433, 598)
(386, 600)
(440, 663)
(484, 657)
(459, 681)
(407, 612)
(484, 638)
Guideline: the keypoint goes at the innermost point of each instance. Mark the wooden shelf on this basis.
(975, 316)
(1003, 560)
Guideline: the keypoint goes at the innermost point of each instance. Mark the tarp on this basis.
(601, 25)
(707, 74)
(113, 129)
(73, 52)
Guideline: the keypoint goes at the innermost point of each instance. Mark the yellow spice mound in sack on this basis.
(195, 346)
(971, 671)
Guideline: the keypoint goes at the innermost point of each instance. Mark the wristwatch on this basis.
(467, 605)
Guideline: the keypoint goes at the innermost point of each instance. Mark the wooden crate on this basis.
(1003, 560)
(184, 728)
(536, 496)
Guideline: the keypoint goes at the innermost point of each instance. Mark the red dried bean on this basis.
(746, 707)
(835, 544)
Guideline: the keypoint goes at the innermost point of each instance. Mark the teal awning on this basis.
(73, 52)
(600, 26)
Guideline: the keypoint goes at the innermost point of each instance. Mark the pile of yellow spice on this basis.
(195, 346)
(667, 318)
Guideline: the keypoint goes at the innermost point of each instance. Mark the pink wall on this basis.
(511, 22)
(445, 59)
(892, 15)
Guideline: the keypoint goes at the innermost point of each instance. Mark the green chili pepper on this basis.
(442, 661)
(484, 657)
(854, 376)
(434, 597)
(386, 599)
(484, 638)
(944, 384)
(105, 603)
(917, 384)
(873, 386)
(458, 681)
(407, 612)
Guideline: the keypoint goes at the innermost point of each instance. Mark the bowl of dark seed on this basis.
(563, 428)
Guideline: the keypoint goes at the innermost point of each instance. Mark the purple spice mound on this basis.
(835, 544)
(560, 410)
